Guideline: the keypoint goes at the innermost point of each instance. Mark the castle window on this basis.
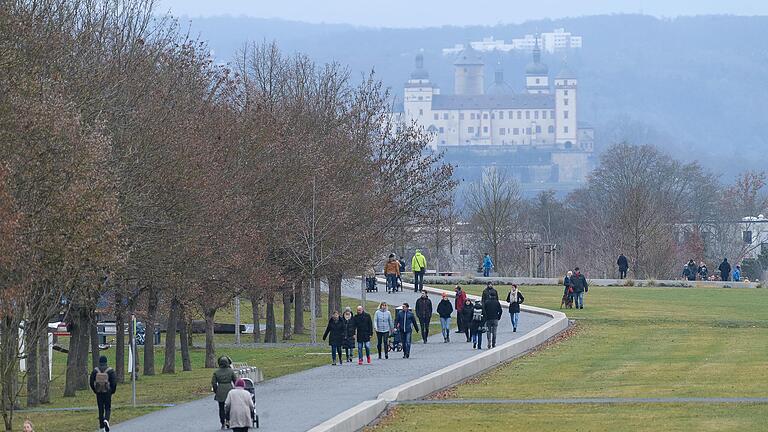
(515, 131)
(461, 116)
(485, 116)
(493, 116)
(445, 116)
(544, 115)
(538, 81)
(485, 129)
(437, 116)
(510, 114)
(565, 114)
(552, 114)
(536, 115)
(519, 115)
(421, 112)
(538, 129)
(565, 92)
(421, 97)
(502, 131)
(565, 129)
(442, 129)
(472, 116)
(527, 115)
(565, 101)
(470, 129)
(551, 129)
(501, 115)
(527, 131)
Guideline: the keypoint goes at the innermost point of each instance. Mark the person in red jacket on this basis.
(461, 298)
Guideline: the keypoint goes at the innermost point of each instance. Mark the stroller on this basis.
(252, 390)
(396, 345)
(370, 284)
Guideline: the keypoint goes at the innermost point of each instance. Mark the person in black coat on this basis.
(515, 299)
(348, 343)
(492, 312)
(444, 310)
(477, 325)
(725, 270)
(364, 330)
(335, 329)
(623, 264)
(579, 287)
(104, 389)
(424, 314)
(466, 317)
(489, 292)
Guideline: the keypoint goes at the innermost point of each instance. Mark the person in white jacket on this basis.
(239, 407)
(384, 326)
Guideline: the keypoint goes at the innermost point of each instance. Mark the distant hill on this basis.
(693, 85)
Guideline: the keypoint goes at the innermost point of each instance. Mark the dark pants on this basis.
(391, 282)
(622, 273)
(382, 338)
(405, 338)
(459, 322)
(242, 429)
(336, 349)
(222, 413)
(725, 276)
(418, 280)
(424, 323)
(486, 271)
(104, 402)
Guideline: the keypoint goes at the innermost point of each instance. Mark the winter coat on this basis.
(418, 262)
(691, 270)
(473, 324)
(725, 268)
(239, 407)
(392, 267)
(402, 265)
(406, 322)
(466, 313)
(736, 275)
(444, 308)
(514, 307)
(111, 376)
(703, 272)
(349, 332)
(424, 308)
(488, 293)
(461, 298)
(567, 283)
(492, 309)
(579, 283)
(487, 262)
(222, 381)
(382, 321)
(335, 329)
(363, 326)
(622, 262)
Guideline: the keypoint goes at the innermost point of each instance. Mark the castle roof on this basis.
(493, 101)
(566, 73)
(469, 57)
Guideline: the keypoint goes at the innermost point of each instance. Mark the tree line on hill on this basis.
(139, 176)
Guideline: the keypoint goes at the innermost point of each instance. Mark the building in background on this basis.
(535, 134)
(557, 40)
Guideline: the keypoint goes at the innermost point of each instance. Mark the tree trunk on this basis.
(318, 299)
(270, 333)
(43, 382)
(149, 335)
(287, 294)
(93, 331)
(334, 293)
(298, 307)
(31, 346)
(119, 336)
(169, 366)
(9, 363)
(83, 349)
(210, 348)
(184, 341)
(73, 368)
(256, 318)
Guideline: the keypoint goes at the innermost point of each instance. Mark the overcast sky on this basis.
(425, 13)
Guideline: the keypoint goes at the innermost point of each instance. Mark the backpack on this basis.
(101, 382)
(477, 315)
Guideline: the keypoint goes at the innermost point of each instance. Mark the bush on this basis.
(629, 283)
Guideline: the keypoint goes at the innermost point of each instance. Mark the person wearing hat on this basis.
(221, 382)
(239, 407)
(444, 310)
(103, 383)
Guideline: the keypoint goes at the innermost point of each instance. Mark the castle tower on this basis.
(417, 101)
(566, 123)
(469, 72)
(499, 86)
(537, 73)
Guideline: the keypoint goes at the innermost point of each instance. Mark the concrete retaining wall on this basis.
(453, 280)
(366, 412)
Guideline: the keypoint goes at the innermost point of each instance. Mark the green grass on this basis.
(591, 418)
(634, 342)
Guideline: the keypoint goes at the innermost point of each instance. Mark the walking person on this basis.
(419, 267)
(690, 270)
(392, 273)
(725, 270)
(402, 270)
(515, 299)
(489, 292)
(364, 330)
(737, 273)
(567, 300)
(444, 310)
(424, 314)
(348, 343)
(477, 325)
(384, 326)
(27, 426)
(492, 312)
(103, 382)
(239, 407)
(335, 329)
(487, 265)
(405, 324)
(461, 298)
(703, 271)
(579, 287)
(222, 382)
(466, 317)
(623, 264)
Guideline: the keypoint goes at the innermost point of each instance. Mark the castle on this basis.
(536, 134)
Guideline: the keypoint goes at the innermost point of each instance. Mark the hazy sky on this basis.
(424, 13)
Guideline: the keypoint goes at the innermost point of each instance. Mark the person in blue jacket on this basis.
(737, 273)
(405, 324)
(487, 265)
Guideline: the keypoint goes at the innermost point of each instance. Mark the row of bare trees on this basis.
(137, 171)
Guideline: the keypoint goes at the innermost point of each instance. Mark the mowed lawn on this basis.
(632, 342)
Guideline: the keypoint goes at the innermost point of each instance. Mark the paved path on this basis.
(305, 399)
(582, 401)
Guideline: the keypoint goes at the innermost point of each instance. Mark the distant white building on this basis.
(557, 40)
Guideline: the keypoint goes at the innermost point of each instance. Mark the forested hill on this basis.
(694, 85)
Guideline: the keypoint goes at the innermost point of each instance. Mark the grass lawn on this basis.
(633, 342)
(182, 386)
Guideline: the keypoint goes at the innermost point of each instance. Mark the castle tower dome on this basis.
(537, 73)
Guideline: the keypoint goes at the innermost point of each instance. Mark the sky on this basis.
(428, 13)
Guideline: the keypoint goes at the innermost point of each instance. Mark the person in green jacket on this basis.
(419, 267)
(222, 382)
